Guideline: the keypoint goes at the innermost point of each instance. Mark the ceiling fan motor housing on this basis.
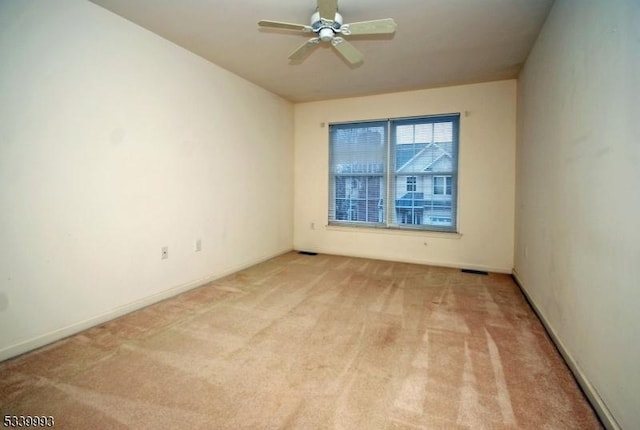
(325, 28)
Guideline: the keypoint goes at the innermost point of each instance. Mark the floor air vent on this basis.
(474, 272)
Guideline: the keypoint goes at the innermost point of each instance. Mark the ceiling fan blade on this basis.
(378, 26)
(347, 50)
(328, 9)
(284, 25)
(304, 50)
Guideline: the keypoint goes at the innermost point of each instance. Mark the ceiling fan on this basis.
(328, 26)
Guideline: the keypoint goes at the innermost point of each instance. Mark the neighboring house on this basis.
(424, 186)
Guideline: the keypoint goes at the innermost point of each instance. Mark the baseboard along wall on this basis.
(588, 389)
(61, 333)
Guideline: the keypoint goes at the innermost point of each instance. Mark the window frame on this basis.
(391, 217)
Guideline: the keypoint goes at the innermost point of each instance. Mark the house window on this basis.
(396, 173)
(411, 183)
(442, 185)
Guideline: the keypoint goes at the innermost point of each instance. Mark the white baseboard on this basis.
(452, 265)
(77, 327)
(589, 390)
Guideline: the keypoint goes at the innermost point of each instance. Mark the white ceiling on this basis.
(437, 42)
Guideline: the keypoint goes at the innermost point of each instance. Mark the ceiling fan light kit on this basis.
(328, 25)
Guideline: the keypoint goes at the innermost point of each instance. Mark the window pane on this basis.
(425, 148)
(438, 185)
(424, 133)
(404, 134)
(358, 156)
(443, 132)
(358, 150)
(358, 198)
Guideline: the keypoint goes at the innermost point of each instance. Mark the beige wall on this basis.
(577, 207)
(486, 181)
(114, 143)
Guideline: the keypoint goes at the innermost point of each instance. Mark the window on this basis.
(442, 185)
(397, 173)
(411, 183)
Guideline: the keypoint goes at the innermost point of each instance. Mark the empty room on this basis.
(320, 214)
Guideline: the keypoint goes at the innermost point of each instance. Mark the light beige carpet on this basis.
(310, 342)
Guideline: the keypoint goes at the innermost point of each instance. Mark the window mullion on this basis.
(390, 179)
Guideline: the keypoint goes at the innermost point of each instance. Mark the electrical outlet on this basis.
(164, 253)
(198, 245)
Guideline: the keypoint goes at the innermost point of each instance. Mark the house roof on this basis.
(429, 156)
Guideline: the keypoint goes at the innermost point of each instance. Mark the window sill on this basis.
(395, 231)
